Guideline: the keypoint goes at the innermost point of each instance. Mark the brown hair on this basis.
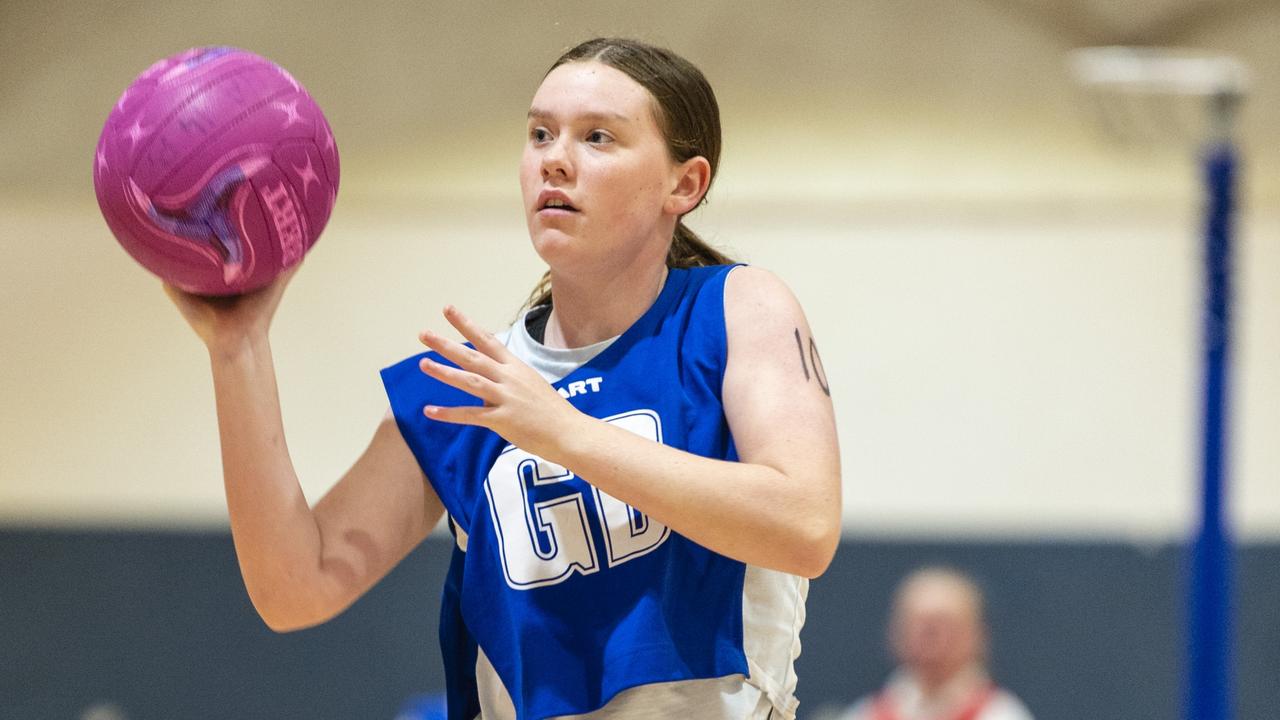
(687, 114)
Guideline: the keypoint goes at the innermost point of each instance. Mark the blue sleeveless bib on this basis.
(573, 595)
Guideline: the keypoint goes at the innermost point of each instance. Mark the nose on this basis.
(556, 160)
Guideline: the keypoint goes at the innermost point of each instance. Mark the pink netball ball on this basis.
(216, 170)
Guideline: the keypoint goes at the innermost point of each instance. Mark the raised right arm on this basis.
(301, 565)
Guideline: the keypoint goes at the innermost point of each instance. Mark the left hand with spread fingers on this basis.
(519, 404)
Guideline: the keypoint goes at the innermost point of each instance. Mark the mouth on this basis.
(555, 202)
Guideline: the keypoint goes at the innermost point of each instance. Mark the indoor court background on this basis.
(1007, 305)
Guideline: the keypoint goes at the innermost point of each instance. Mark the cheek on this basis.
(641, 193)
(528, 171)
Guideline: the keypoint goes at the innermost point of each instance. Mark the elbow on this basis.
(815, 529)
(806, 544)
(282, 616)
(806, 553)
(818, 552)
(818, 542)
(283, 624)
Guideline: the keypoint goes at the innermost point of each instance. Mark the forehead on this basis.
(591, 89)
(938, 594)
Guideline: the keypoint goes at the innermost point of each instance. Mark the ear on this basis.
(692, 178)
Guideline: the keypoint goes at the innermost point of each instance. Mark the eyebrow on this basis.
(590, 116)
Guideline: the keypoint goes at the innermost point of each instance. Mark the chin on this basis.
(554, 247)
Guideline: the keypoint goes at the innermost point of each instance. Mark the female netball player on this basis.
(640, 475)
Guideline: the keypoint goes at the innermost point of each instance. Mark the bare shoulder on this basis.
(747, 283)
(1006, 706)
(757, 300)
(768, 335)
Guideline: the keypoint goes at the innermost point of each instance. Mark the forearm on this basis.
(750, 512)
(779, 508)
(277, 540)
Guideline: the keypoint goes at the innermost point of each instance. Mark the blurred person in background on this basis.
(938, 637)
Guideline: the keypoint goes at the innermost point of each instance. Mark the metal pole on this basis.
(1209, 651)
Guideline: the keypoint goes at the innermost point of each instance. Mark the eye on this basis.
(539, 135)
(599, 137)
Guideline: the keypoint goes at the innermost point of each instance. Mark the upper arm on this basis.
(380, 510)
(776, 392)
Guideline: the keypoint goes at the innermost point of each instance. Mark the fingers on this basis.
(488, 351)
(284, 278)
(461, 355)
(179, 296)
(287, 274)
(467, 415)
(479, 373)
(467, 382)
(482, 339)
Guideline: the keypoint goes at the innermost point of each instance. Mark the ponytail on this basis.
(688, 250)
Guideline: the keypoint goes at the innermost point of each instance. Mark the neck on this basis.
(587, 310)
(956, 681)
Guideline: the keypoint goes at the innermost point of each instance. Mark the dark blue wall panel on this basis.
(159, 625)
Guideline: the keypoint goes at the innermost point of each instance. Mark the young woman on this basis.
(641, 474)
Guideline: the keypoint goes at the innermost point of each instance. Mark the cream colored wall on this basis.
(1006, 307)
(995, 369)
